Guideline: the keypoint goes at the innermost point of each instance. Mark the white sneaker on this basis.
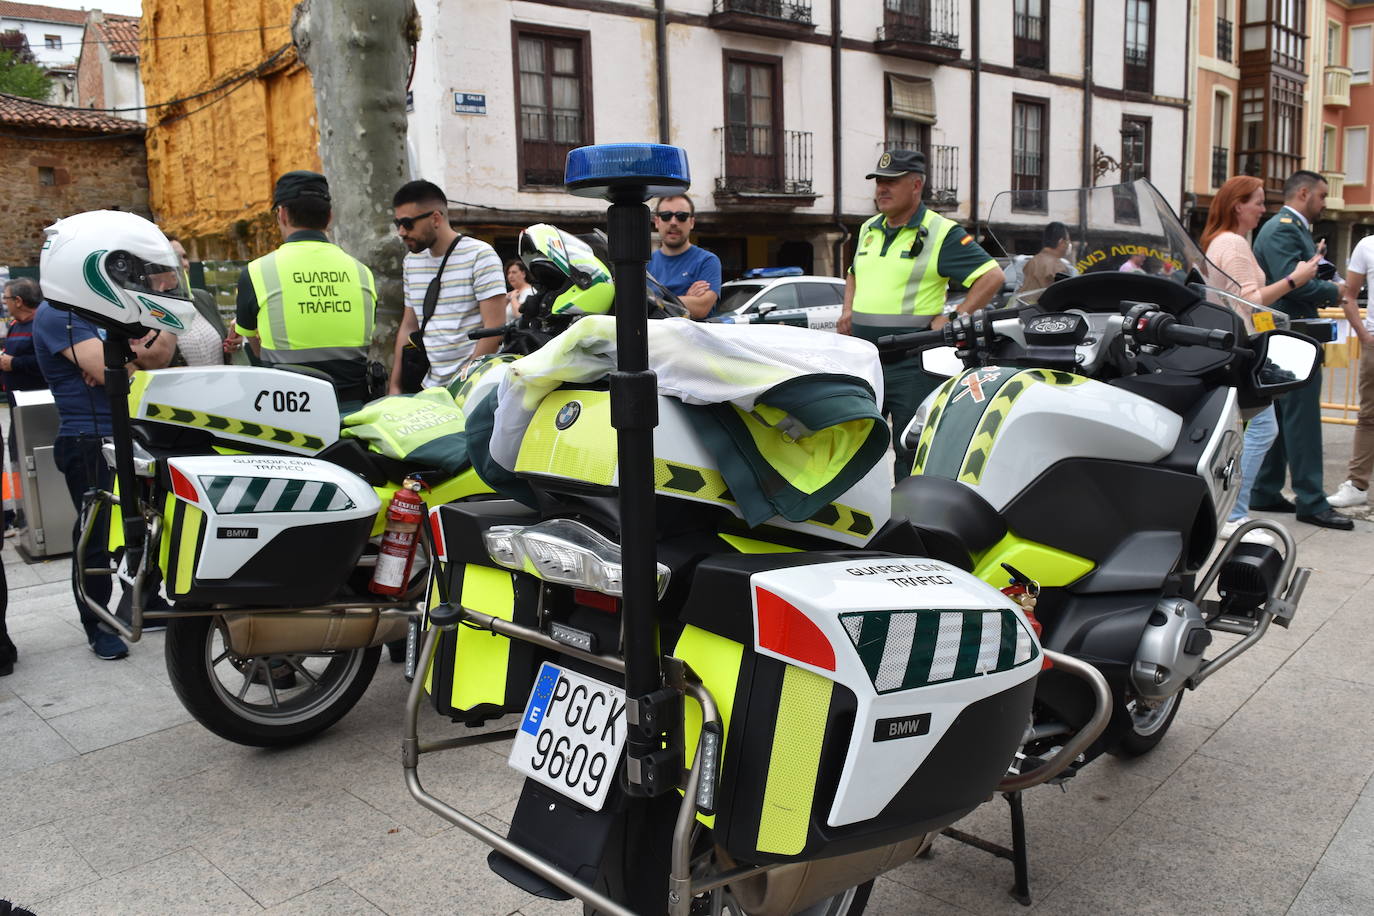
(1348, 495)
(1257, 536)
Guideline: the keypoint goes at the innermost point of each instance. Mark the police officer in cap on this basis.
(905, 258)
(309, 302)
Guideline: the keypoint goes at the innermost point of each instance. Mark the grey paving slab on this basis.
(48, 793)
(304, 843)
(332, 899)
(1302, 722)
(71, 679)
(1344, 645)
(1241, 802)
(150, 707)
(140, 764)
(1336, 892)
(1174, 751)
(39, 863)
(1230, 688)
(1353, 846)
(1153, 865)
(182, 882)
(27, 740)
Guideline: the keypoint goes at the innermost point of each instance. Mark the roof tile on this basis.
(120, 34)
(41, 13)
(18, 112)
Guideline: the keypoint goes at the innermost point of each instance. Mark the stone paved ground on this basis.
(113, 801)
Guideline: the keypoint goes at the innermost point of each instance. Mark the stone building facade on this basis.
(60, 161)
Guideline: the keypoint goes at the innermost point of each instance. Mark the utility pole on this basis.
(358, 53)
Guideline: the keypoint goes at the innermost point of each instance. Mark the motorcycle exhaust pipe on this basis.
(282, 633)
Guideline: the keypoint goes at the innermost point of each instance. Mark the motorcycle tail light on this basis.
(182, 487)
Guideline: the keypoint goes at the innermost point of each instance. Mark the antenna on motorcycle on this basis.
(628, 174)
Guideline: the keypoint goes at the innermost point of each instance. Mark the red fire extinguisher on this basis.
(403, 518)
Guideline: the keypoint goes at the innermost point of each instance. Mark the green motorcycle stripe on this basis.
(872, 640)
(1006, 649)
(922, 649)
(970, 642)
(960, 419)
(249, 500)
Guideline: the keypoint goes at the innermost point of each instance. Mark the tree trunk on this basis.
(358, 54)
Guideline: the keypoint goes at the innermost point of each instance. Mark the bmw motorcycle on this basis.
(1089, 446)
(758, 698)
(260, 518)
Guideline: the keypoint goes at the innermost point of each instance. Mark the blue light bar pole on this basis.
(634, 414)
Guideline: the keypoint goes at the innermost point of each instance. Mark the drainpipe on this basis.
(836, 147)
(661, 55)
(1088, 163)
(975, 133)
(1189, 78)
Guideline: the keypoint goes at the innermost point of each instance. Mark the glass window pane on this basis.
(532, 55)
(564, 59)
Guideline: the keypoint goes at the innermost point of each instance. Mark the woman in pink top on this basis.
(1236, 211)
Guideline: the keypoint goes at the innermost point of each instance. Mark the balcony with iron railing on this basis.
(1269, 166)
(941, 191)
(775, 18)
(1221, 165)
(1336, 87)
(758, 165)
(1028, 44)
(1225, 31)
(1335, 190)
(919, 29)
(1138, 75)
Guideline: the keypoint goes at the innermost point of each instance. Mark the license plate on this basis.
(572, 735)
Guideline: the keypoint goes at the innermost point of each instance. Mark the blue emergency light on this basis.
(770, 273)
(597, 171)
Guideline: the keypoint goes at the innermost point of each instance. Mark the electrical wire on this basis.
(150, 38)
(241, 78)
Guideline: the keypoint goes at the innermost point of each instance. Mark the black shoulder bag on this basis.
(414, 359)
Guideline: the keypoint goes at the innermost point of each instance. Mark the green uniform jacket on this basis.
(1281, 243)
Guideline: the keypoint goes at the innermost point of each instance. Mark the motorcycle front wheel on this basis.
(262, 701)
(1139, 726)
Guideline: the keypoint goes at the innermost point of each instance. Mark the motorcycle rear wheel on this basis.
(246, 700)
(851, 902)
(1139, 728)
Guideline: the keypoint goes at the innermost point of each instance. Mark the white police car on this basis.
(781, 295)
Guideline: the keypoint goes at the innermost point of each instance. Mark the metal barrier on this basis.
(1340, 377)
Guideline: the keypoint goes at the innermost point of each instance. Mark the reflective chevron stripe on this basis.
(672, 478)
(906, 649)
(231, 426)
(231, 495)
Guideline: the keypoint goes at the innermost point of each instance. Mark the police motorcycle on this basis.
(741, 685)
(1086, 449)
(286, 543)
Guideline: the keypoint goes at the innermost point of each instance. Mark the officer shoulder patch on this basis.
(966, 239)
(1285, 219)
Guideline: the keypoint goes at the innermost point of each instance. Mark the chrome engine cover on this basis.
(1170, 650)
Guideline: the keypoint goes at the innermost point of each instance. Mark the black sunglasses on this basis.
(408, 222)
(667, 215)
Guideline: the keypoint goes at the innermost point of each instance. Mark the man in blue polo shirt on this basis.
(690, 272)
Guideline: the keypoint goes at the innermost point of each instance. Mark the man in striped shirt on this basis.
(472, 291)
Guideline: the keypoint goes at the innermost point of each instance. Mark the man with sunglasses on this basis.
(309, 302)
(688, 271)
(905, 258)
(471, 292)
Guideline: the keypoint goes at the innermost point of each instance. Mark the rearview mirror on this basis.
(941, 361)
(1286, 362)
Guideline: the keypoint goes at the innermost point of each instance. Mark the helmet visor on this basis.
(161, 276)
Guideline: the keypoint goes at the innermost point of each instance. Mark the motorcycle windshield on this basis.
(1128, 228)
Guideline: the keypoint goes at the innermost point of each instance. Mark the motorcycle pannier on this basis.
(478, 675)
(866, 698)
(261, 529)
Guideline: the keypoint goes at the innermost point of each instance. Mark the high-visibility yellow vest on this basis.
(315, 303)
(895, 286)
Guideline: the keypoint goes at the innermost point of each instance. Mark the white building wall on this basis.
(36, 32)
(123, 89)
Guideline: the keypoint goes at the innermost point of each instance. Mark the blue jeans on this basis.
(1260, 434)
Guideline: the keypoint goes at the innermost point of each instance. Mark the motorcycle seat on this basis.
(953, 520)
(377, 469)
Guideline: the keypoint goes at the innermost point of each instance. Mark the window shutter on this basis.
(913, 99)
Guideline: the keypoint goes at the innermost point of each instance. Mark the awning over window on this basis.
(913, 99)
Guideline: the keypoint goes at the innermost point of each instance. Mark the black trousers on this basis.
(79, 460)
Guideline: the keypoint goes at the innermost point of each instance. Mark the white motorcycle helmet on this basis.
(118, 270)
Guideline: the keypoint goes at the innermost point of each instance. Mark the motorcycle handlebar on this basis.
(916, 340)
(1187, 335)
(480, 333)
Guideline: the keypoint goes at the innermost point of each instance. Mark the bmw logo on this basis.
(568, 415)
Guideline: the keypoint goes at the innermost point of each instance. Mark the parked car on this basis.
(781, 295)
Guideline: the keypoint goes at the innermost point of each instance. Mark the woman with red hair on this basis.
(1236, 211)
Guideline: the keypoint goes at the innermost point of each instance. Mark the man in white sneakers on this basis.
(1355, 490)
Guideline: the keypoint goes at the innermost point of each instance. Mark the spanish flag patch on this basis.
(966, 239)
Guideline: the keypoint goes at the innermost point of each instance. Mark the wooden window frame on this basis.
(1044, 103)
(1148, 123)
(729, 56)
(584, 39)
(1044, 36)
(1149, 56)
